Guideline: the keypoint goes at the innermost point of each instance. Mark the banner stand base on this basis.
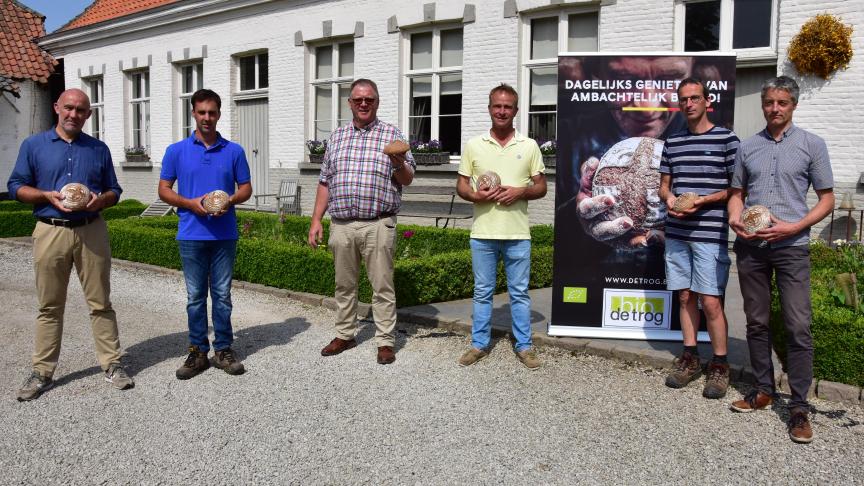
(607, 333)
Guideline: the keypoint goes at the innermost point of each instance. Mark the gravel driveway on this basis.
(297, 417)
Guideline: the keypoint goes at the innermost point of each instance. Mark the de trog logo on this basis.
(643, 309)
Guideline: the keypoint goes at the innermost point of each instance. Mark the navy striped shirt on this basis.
(701, 163)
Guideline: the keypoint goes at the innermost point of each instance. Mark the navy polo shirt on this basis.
(199, 170)
(47, 162)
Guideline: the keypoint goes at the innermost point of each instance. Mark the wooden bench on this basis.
(434, 202)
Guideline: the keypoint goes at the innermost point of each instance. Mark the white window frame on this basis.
(436, 71)
(335, 82)
(184, 109)
(257, 91)
(96, 90)
(144, 119)
(528, 64)
(755, 55)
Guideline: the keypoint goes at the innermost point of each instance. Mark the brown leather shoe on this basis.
(755, 400)
(337, 345)
(386, 355)
(799, 427)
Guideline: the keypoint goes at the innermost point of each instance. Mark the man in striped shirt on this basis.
(361, 187)
(700, 161)
(775, 168)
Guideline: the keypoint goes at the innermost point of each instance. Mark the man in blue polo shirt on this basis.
(700, 161)
(62, 238)
(202, 163)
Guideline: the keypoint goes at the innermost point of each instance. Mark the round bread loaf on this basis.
(756, 218)
(685, 201)
(488, 180)
(396, 147)
(215, 201)
(76, 196)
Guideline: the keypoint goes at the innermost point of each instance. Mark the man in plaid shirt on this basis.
(361, 187)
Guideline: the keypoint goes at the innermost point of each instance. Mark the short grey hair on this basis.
(785, 83)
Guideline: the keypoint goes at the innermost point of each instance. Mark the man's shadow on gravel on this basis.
(247, 341)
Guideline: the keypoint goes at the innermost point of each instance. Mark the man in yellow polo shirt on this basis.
(500, 228)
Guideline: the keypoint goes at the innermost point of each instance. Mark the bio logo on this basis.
(644, 309)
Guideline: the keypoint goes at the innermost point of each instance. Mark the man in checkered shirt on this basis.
(361, 188)
(775, 168)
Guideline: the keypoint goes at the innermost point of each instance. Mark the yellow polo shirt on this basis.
(515, 163)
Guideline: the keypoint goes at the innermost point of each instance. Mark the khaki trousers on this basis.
(55, 250)
(374, 241)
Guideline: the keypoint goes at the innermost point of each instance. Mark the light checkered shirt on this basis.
(778, 174)
(358, 176)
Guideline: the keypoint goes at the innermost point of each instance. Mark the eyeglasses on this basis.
(360, 101)
(695, 99)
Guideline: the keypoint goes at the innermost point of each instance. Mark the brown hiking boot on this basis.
(529, 359)
(472, 356)
(718, 380)
(755, 400)
(195, 363)
(228, 362)
(687, 369)
(799, 426)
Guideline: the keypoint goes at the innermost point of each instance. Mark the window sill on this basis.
(136, 164)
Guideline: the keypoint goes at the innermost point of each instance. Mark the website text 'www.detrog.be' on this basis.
(636, 280)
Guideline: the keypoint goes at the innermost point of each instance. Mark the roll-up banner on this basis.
(619, 109)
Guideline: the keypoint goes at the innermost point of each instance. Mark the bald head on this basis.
(73, 109)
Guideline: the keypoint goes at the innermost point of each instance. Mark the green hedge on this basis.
(16, 219)
(432, 264)
(838, 331)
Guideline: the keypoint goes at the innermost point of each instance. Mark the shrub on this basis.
(17, 218)
(838, 331)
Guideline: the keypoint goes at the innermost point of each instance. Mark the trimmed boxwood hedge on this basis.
(275, 254)
(838, 331)
(16, 219)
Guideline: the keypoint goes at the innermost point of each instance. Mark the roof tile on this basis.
(20, 56)
(103, 10)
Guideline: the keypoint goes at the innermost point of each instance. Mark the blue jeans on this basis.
(517, 266)
(208, 264)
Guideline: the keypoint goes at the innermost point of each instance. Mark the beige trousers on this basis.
(373, 241)
(55, 251)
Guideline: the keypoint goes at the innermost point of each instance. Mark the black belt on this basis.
(69, 223)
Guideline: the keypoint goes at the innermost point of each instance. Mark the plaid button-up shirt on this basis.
(358, 176)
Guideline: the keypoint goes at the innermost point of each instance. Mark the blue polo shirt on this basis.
(47, 162)
(199, 170)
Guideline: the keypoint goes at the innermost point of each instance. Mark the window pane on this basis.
(451, 95)
(322, 130)
(582, 32)
(702, 26)
(346, 59)
(421, 97)
(421, 51)
(146, 80)
(420, 128)
(344, 109)
(263, 71)
(324, 62)
(451, 47)
(544, 86)
(541, 126)
(247, 73)
(187, 79)
(199, 69)
(188, 123)
(95, 121)
(323, 103)
(544, 38)
(752, 25)
(136, 85)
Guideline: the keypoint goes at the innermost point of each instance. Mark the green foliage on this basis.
(16, 219)
(838, 331)
(432, 264)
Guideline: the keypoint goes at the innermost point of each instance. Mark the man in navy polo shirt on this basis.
(62, 238)
(202, 163)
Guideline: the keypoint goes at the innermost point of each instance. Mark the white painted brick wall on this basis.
(491, 55)
(20, 118)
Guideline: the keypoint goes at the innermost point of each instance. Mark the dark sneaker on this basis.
(117, 376)
(195, 363)
(718, 380)
(33, 386)
(687, 368)
(472, 356)
(755, 400)
(799, 427)
(227, 361)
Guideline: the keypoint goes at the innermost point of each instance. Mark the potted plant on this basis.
(549, 149)
(429, 153)
(137, 154)
(316, 150)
